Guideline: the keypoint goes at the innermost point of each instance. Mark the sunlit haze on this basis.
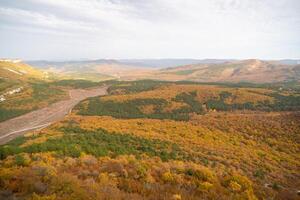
(90, 29)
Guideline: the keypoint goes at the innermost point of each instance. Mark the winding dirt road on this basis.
(41, 118)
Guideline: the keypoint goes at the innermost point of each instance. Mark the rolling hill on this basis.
(207, 70)
(24, 88)
(15, 73)
(93, 70)
(233, 71)
(152, 139)
(163, 140)
(17, 70)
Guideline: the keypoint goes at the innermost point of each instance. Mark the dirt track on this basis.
(41, 118)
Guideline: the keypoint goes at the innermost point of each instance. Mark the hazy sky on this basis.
(78, 29)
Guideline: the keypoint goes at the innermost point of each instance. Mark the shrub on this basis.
(205, 186)
(203, 174)
(6, 114)
(22, 160)
(243, 181)
(168, 177)
(43, 197)
(234, 186)
(259, 173)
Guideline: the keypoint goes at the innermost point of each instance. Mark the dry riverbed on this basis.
(41, 118)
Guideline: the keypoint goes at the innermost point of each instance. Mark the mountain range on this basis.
(207, 70)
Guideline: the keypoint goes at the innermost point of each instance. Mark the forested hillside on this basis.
(164, 140)
(24, 89)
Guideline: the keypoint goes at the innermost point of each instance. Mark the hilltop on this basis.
(17, 70)
(251, 70)
(24, 88)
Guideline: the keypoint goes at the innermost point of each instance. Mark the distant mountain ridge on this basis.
(151, 63)
(147, 63)
(251, 70)
(289, 62)
(206, 70)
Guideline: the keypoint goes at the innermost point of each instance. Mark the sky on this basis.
(115, 29)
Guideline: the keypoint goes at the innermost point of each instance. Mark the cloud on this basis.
(158, 28)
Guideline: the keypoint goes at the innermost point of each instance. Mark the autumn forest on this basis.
(164, 140)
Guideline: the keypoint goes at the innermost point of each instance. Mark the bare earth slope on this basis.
(10, 129)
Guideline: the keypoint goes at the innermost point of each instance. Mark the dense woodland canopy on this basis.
(163, 140)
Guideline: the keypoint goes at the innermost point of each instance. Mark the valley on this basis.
(44, 117)
(149, 100)
(150, 133)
